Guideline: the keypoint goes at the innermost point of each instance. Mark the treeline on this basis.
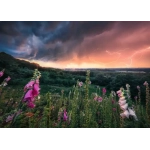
(60, 78)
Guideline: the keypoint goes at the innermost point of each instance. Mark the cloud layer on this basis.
(78, 44)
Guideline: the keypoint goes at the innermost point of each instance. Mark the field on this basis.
(95, 100)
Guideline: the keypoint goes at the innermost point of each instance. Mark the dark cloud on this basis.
(8, 28)
(58, 41)
(81, 29)
(16, 33)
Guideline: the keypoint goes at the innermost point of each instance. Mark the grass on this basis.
(82, 110)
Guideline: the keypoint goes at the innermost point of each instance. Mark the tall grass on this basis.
(77, 109)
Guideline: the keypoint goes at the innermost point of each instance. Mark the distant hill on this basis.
(20, 70)
(7, 61)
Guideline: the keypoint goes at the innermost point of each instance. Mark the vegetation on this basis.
(77, 109)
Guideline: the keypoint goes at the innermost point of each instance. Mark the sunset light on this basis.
(78, 44)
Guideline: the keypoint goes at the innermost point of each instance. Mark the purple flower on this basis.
(32, 90)
(1, 73)
(104, 90)
(65, 115)
(99, 99)
(10, 118)
(95, 98)
(119, 92)
(29, 85)
(7, 79)
(30, 104)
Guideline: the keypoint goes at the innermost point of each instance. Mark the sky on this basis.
(77, 44)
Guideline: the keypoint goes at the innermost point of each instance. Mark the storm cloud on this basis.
(78, 44)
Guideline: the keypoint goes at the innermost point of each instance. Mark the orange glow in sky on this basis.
(118, 59)
(79, 44)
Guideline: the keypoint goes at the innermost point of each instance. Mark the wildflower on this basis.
(99, 99)
(119, 92)
(132, 113)
(104, 90)
(4, 84)
(138, 87)
(122, 102)
(80, 84)
(1, 73)
(124, 107)
(122, 98)
(65, 115)
(29, 85)
(30, 104)
(10, 118)
(29, 96)
(95, 98)
(127, 86)
(125, 114)
(36, 88)
(145, 83)
(32, 90)
(7, 79)
(120, 95)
